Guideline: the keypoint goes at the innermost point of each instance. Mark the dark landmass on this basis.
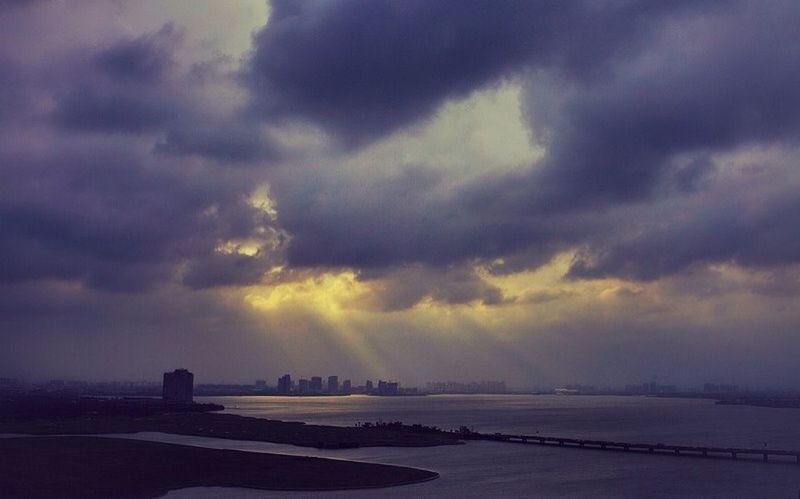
(35, 406)
(778, 402)
(234, 427)
(93, 417)
(95, 467)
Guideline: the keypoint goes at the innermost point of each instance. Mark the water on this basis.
(489, 469)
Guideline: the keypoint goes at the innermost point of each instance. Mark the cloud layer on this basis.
(143, 161)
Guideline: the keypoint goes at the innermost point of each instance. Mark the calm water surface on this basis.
(488, 469)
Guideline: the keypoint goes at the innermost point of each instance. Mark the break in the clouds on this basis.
(498, 184)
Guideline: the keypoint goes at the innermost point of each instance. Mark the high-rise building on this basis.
(333, 384)
(316, 384)
(178, 387)
(347, 386)
(303, 386)
(369, 386)
(388, 387)
(285, 384)
(261, 385)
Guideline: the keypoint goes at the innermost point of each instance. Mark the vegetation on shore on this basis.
(62, 416)
(234, 427)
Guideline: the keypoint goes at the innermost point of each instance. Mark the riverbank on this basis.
(95, 467)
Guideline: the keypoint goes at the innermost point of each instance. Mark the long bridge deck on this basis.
(765, 455)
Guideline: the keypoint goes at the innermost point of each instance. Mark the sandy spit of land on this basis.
(95, 467)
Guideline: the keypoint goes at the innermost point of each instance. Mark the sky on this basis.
(597, 192)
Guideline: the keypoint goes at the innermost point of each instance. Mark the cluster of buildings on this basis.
(178, 387)
(720, 388)
(650, 388)
(317, 386)
(474, 387)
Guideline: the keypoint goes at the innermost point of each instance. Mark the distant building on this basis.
(474, 387)
(369, 387)
(388, 387)
(303, 386)
(316, 384)
(261, 385)
(650, 388)
(715, 388)
(178, 387)
(285, 384)
(347, 386)
(333, 384)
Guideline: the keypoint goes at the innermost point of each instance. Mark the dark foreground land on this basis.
(94, 467)
(64, 416)
(233, 427)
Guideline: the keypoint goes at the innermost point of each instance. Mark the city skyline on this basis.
(546, 193)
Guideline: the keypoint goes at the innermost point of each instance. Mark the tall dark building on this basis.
(303, 386)
(333, 384)
(285, 384)
(178, 387)
(347, 386)
(316, 384)
(388, 387)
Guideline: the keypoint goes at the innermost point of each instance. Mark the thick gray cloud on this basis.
(372, 221)
(629, 111)
(668, 132)
(112, 218)
(124, 87)
(137, 86)
(362, 71)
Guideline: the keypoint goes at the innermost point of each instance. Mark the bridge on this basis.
(765, 455)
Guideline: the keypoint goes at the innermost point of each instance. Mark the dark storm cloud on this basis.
(372, 221)
(403, 287)
(707, 84)
(757, 233)
(124, 87)
(228, 142)
(10, 88)
(88, 200)
(362, 70)
(141, 60)
(223, 270)
(103, 110)
(139, 86)
(631, 110)
(12, 4)
(111, 218)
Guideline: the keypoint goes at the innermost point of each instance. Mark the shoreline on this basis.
(234, 427)
(89, 467)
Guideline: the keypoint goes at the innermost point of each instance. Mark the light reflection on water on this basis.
(488, 469)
